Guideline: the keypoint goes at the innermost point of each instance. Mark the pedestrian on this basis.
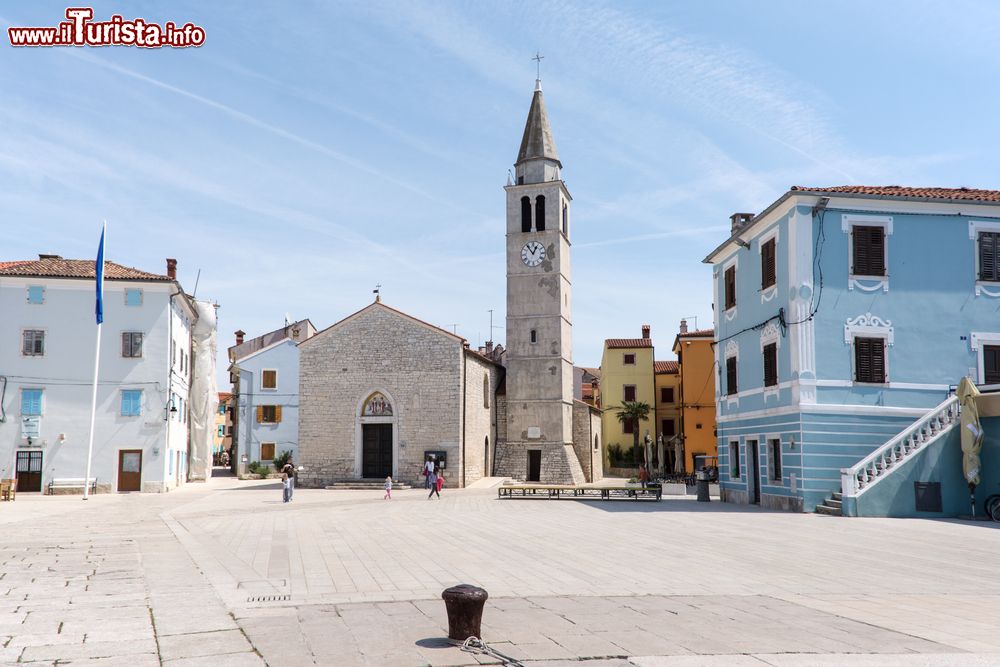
(286, 490)
(432, 478)
(428, 469)
(388, 488)
(440, 482)
(288, 473)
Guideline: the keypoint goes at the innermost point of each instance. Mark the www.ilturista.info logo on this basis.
(80, 30)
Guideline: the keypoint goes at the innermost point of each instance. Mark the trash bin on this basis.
(702, 480)
(465, 611)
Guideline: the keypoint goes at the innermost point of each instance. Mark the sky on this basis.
(309, 151)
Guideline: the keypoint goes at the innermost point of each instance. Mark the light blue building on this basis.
(843, 317)
(265, 372)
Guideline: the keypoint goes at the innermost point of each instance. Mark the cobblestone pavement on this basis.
(225, 574)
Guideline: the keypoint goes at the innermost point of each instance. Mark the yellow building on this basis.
(696, 362)
(626, 375)
(222, 439)
(668, 407)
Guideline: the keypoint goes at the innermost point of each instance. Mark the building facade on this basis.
(666, 375)
(843, 315)
(627, 374)
(141, 435)
(697, 370)
(222, 440)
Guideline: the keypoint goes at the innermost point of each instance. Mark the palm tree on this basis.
(636, 411)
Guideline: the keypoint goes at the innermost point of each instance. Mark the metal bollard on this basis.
(465, 611)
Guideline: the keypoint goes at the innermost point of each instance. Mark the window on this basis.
(768, 276)
(730, 376)
(730, 280)
(628, 359)
(989, 246)
(133, 296)
(540, 213)
(131, 402)
(774, 459)
(534, 336)
(734, 459)
(668, 428)
(565, 219)
(268, 414)
(628, 392)
(36, 294)
(869, 251)
(869, 360)
(267, 451)
(597, 442)
(486, 391)
(222, 408)
(628, 426)
(991, 364)
(31, 402)
(771, 365)
(269, 379)
(33, 344)
(222, 430)
(666, 394)
(131, 344)
(525, 214)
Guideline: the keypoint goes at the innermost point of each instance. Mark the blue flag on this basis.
(99, 272)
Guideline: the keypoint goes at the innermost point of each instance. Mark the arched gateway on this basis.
(376, 437)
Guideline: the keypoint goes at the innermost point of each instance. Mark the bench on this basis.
(618, 491)
(72, 483)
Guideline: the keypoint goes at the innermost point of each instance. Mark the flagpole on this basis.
(99, 279)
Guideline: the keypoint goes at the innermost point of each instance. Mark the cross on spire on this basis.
(538, 65)
(377, 292)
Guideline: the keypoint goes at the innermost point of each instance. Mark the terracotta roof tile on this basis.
(699, 333)
(665, 367)
(965, 194)
(618, 343)
(54, 267)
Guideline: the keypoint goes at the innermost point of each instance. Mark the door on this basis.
(754, 473)
(29, 471)
(534, 465)
(376, 451)
(129, 470)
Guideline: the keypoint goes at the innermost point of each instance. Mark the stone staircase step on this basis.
(838, 496)
(835, 504)
(829, 511)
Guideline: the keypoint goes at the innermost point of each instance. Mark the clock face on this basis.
(532, 253)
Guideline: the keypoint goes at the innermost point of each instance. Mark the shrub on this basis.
(258, 468)
(282, 459)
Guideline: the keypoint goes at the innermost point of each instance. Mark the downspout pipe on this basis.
(465, 424)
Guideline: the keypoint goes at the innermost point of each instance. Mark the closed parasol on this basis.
(972, 437)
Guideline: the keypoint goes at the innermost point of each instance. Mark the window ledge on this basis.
(730, 314)
(987, 288)
(868, 283)
(855, 383)
(768, 293)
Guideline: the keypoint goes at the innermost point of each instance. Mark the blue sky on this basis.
(311, 150)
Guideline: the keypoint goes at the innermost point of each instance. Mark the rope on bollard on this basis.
(477, 646)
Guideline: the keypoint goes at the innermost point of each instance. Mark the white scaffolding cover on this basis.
(204, 395)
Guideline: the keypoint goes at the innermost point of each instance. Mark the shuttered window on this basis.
(768, 276)
(730, 376)
(730, 281)
(266, 451)
(989, 247)
(628, 426)
(869, 251)
(33, 343)
(991, 364)
(268, 414)
(269, 379)
(629, 392)
(869, 360)
(770, 364)
(666, 394)
(31, 402)
(131, 344)
(131, 402)
(628, 359)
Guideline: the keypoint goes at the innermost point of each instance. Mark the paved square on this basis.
(225, 574)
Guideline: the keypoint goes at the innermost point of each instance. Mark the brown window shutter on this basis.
(277, 414)
(126, 345)
(988, 247)
(260, 414)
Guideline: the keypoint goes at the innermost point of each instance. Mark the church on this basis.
(381, 391)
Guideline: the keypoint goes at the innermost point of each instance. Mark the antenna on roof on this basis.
(378, 293)
(195, 292)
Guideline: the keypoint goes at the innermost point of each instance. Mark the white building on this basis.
(47, 338)
(265, 372)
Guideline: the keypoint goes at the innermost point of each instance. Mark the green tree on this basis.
(637, 411)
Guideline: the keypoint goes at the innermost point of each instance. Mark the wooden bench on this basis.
(72, 483)
(619, 491)
(8, 489)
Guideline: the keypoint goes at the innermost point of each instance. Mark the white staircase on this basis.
(869, 471)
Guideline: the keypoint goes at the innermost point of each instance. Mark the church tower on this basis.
(539, 341)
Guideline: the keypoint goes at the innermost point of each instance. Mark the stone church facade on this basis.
(381, 390)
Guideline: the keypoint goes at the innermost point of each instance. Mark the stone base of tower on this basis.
(558, 462)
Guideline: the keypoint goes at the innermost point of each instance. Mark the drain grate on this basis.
(269, 598)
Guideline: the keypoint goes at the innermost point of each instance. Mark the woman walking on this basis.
(433, 479)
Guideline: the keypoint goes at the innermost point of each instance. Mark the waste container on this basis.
(702, 480)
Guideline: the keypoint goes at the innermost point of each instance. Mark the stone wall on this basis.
(480, 416)
(417, 367)
(587, 425)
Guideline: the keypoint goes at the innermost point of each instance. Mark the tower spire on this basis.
(538, 146)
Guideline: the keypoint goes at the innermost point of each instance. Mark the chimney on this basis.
(684, 326)
(171, 268)
(645, 331)
(40, 256)
(489, 347)
(239, 336)
(740, 220)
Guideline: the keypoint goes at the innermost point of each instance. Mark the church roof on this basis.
(379, 304)
(537, 141)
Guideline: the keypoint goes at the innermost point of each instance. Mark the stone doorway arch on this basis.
(376, 436)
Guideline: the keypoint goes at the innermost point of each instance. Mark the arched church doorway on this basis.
(377, 421)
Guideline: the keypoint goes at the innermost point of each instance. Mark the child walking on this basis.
(433, 479)
(388, 488)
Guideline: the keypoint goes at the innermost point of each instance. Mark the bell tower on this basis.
(539, 318)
